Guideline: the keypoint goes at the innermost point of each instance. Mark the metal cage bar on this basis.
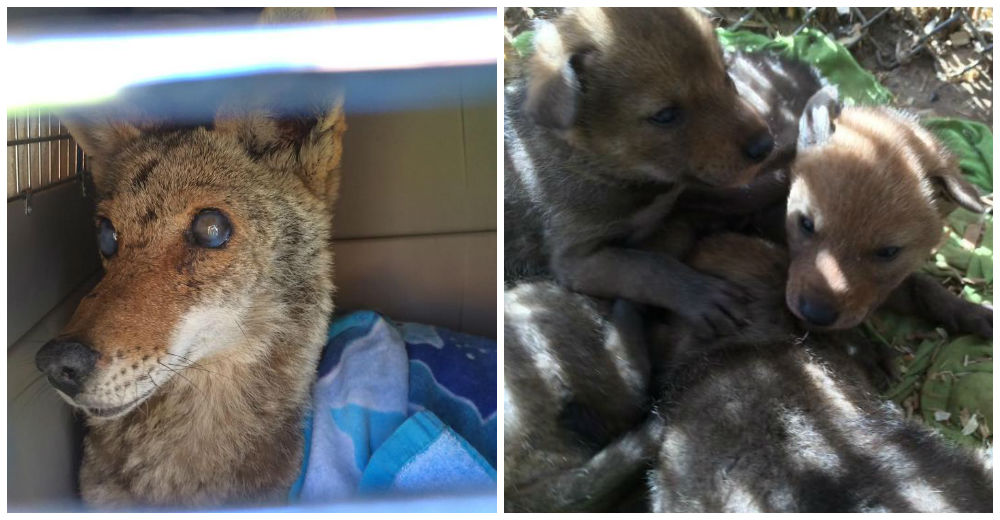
(41, 153)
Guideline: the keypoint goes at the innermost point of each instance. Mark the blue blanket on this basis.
(400, 408)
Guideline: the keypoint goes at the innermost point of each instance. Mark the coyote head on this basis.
(214, 242)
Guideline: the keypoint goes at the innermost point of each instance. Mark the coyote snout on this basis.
(67, 363)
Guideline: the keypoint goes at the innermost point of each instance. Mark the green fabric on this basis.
(960, 383)
(524, 43)
(972, 142)
(834, 61)
(959, 259)
(946, 374)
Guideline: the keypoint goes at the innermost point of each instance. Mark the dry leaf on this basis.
(960, 38)
(970, 426)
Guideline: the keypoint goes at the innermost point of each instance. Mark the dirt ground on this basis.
(939, 79)
(935, 80)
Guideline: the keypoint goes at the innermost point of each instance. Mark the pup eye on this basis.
(665, 117)
(887, 253)
(211, 228)
(107, 238)
(806, 225)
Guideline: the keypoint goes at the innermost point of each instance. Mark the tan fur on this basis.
(225, 341)
(881, 180)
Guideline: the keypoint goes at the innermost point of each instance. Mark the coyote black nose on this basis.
(67, 364)
(817, 312)
(759, 148)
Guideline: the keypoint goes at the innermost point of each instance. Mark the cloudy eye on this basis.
(211, 228)
(806, 225)
(107, 238)
(666, 117)
(887, 253)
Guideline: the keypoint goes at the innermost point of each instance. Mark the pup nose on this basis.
(817, 312)
(759, 148)
(67, 364)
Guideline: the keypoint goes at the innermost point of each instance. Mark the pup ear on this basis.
(553, 83)
(816, 123)
(951, 188)
(100, 132)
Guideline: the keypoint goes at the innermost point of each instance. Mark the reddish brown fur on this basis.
(876, 183)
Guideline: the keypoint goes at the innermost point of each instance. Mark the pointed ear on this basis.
(553, 81)
(816, 123)
(288, 129)
(100, 132)
(951, 188)
(303, 142)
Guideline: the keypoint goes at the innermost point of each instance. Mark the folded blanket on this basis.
(399, 408)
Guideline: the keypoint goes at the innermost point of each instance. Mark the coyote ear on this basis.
(553, 82)
(951, 188)
(288, 129)
(100, 133)
(306, 144)
(816, 123)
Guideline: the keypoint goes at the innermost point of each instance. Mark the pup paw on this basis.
(715, 308)
(973, 319)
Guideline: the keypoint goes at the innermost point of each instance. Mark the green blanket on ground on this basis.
(947, 381)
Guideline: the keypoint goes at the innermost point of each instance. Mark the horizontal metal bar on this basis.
(421, 234)
(43, 139)
(36, 191)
